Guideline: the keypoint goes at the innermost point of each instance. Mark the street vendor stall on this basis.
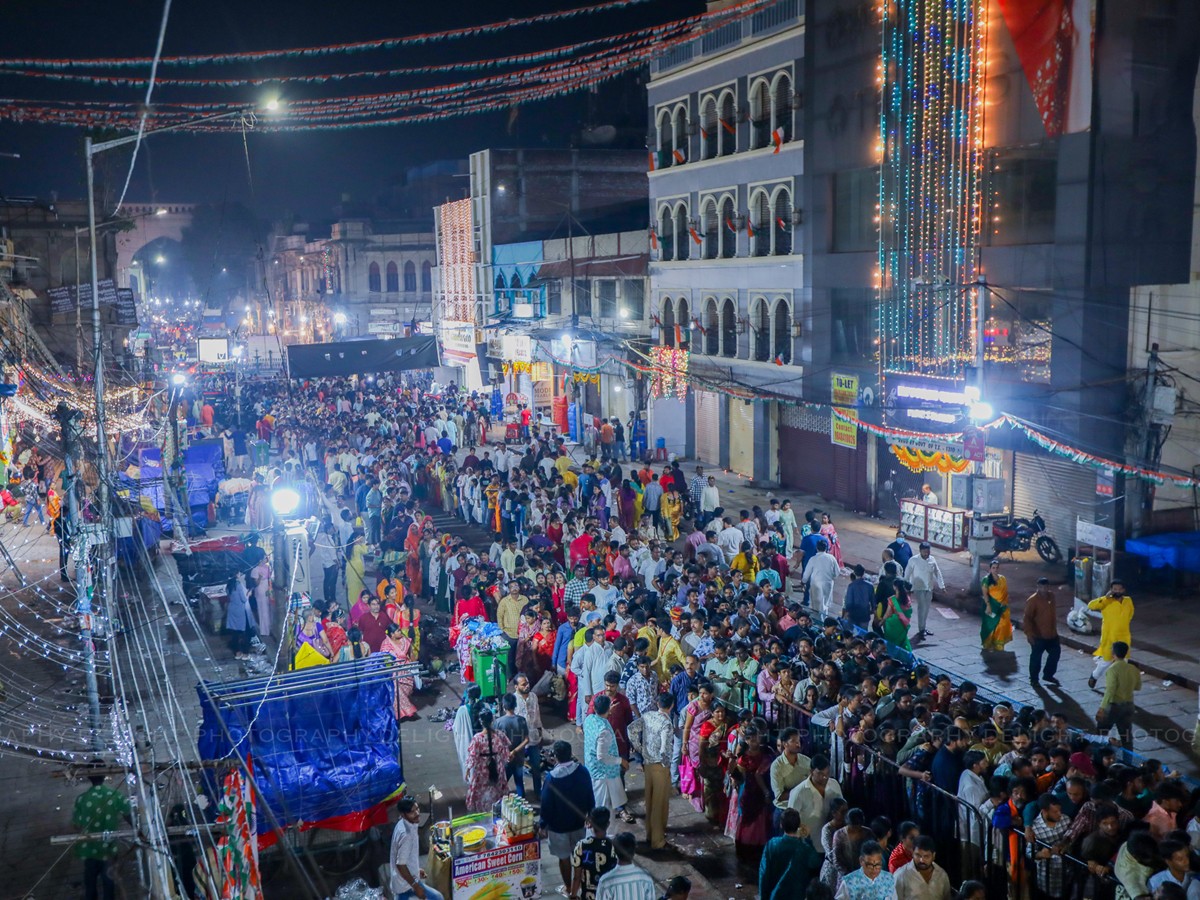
(486, 856)
(482, 650)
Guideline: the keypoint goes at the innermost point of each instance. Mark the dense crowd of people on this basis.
(710, 649)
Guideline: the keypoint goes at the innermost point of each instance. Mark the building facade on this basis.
(367, 278)
(727, 214)
(941, 240)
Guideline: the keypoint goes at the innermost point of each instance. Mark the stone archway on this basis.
(149, 225)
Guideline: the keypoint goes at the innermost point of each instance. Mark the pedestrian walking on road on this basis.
(995, 630)
(567, 798)
(923, 572)
(1040, 624)
(626, 881)
(1121, 680)
(1116, 613)
(819, 576)
(652, 736)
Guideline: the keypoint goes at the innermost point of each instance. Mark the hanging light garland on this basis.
(669, 372)
(932, 78)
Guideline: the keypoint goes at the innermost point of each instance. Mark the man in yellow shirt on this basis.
(1116, 612)
(669, 653)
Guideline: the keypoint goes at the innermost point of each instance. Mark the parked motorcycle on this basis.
(1016, 534)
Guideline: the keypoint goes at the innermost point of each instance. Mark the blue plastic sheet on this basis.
(1177, 550)
(318, 749)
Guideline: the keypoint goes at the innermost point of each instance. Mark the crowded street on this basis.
(417, 544)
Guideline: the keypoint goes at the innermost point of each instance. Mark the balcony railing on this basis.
(779, 15)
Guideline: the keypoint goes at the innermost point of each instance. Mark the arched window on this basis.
(711, 225)
(501, 285)
(684, 317)
(761, 321)
(729, 329)
(782, 223)
(683, 235)
(727, 119)
(710, 139)
(662, 126)
(668, 322)
(373, 278)
(760, 224)
(679, 135)
(393, 278)
(666, 233)
(410, 277)
(712, 328)
(426, 277)
(783, 331)
(781, 106)
(760, 114)
(729, 236)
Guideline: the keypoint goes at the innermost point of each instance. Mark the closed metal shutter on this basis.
(668, 420)
(708, 427)
(741, 437)
(1061, 490)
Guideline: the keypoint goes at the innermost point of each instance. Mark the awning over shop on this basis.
(362, 357)
(609, 267)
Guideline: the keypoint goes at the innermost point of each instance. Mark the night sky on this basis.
(302, 173)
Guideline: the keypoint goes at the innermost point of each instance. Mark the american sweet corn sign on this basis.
(505, 873)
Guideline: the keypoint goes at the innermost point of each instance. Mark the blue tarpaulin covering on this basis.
(1178, 550)
(319, 747)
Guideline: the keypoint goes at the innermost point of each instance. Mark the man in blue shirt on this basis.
(682, 682)
(563, 638)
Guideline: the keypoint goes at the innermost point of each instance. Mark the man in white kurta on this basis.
(819, 576)
(589, 663)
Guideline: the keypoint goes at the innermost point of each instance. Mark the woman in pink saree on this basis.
(399, 647)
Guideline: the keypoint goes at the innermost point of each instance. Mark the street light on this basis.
(285, 501)
(339, 318)
(160, 259)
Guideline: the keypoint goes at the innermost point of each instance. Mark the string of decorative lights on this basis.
(932, 80)
(7, 69)
(331, 49)
(493, 92)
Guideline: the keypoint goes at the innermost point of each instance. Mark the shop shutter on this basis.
(1061, 490)
(668, 420)
(741, 437)
(708, 427)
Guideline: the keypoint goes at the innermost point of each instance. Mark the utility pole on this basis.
(1151, 445)
(75, 538)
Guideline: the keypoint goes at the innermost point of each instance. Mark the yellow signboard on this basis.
(841, 432)
(844, 390)
(844, 394)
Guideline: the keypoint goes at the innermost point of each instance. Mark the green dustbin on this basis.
(491, 671)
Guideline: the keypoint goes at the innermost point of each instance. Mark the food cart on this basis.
(486, 856)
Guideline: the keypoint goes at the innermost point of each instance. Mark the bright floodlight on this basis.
(160, 259)
(179, 379)
(161, 211)
(272, 104)
(982, 412)
(339, 318)
(285, 501)
(623, 313)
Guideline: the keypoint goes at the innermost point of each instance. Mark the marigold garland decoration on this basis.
(919, 461)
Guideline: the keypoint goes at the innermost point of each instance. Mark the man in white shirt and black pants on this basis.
(922, 572)
(404, 861)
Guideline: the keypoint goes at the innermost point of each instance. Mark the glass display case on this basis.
(940, 526)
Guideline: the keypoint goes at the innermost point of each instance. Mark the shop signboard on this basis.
(841, 432)
(974, 444)
(512, 872)
(843, 391)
